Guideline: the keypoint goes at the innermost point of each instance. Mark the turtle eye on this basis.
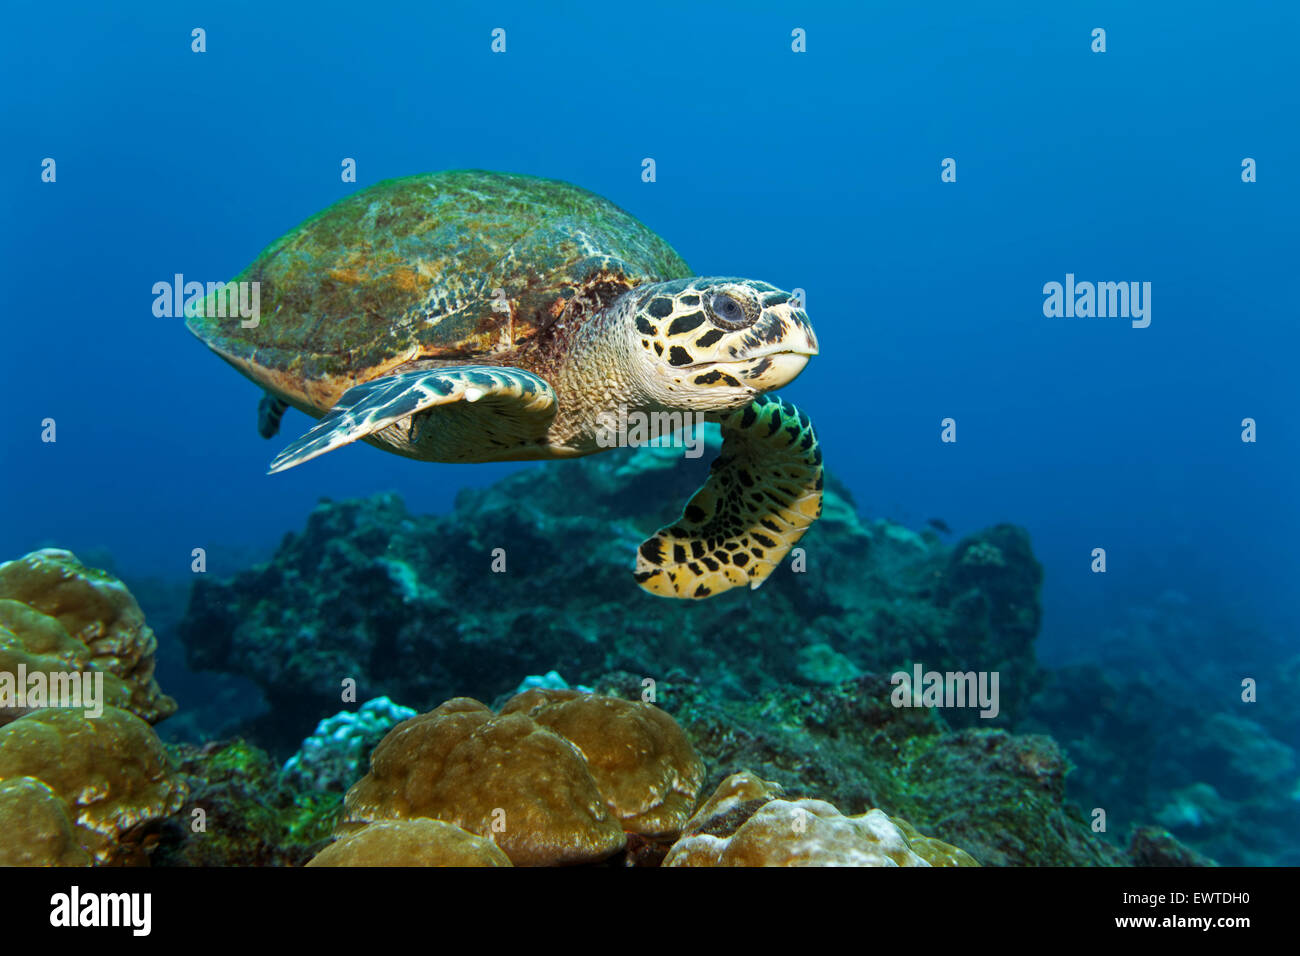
(728, 312)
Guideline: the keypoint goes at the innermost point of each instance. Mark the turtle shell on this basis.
(465, 266)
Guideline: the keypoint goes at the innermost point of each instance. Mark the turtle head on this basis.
(715, 343)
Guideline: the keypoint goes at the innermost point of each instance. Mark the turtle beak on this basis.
(776, 369)
(801, 337)
(793, 344)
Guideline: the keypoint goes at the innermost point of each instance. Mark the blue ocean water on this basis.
(819, 170)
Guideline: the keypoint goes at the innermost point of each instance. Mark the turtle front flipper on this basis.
(762, 494)
(508, 403)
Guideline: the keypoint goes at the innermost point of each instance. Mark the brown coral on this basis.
(642, 762)
(933, 851)
(33, 643)
(36, 828)
(506, 778)
(734, 802)
(111, 772)
(419, 842)
(97, 610)
(555, 778)
(744, 824)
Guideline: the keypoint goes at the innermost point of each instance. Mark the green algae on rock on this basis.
(242, 812)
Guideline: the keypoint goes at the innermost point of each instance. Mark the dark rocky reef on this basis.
(409, 606)
(242, 812)
(1000, 796)
(1206, 767)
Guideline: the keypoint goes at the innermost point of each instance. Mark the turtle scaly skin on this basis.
(473, 316)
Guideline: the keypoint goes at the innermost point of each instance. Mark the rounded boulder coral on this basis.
(745, 823)
(505, 778)
(642, 762)
(35, 826)
(97, 611)
(556, 777)
(111, 773)
(420, 842)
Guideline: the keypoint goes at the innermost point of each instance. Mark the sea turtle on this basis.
(473, 316)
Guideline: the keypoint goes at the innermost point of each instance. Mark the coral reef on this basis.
(1152, 846)
(1170, 737)
(35, 825)
(1252, 756)
(110, 773)
(745, 824)
(991, 587)
(554, 778)
(242, 812)
(999, 796)
(95, 610)
(561, 777)
(366, 587)
(732, 802)
(504, 777)
(418, 842)
(32, 643)
(336, 754)
(791, 681)
(1147, 753)
(799, 833)
(642, 763)
(551, 680)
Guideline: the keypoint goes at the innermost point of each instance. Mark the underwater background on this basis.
(820, 170)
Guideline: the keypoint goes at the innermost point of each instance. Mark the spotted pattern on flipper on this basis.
(374, 406)
(763, 492)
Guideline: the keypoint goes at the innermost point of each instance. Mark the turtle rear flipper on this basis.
(508, 403)
(764, 490)
(269, 412)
